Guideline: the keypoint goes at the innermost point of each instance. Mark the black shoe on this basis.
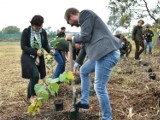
(80, 105)
(139, 59)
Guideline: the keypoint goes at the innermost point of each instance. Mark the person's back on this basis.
(102, 39)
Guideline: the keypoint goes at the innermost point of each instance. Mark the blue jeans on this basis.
(149, 45)
(60, 68)
(102, 70)
(87, 68)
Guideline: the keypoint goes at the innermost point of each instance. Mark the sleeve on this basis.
(81, 56)
(87, 25)
(134, 32)
(24, 46)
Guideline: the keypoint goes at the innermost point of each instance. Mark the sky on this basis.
(19, 12)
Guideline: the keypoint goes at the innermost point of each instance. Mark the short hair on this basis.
(141, 20)
(63, 28)
(37, 20)
(69, 11)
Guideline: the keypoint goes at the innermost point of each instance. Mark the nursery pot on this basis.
(152, 76)
(58, 105)
(150, 70)
(146, 64)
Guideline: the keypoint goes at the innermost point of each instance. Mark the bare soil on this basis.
(133, 95)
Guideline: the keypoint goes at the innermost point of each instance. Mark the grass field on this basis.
(133, 95)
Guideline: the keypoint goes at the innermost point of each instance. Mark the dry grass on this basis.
(133, 95)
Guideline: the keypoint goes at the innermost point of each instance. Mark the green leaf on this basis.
(30, 108)
(51, 80)
(43, 93)
(37, 87)
(70, 75)
(62, 77)
(39, 98)
(54, 87)
(39, 103)
(67, 80)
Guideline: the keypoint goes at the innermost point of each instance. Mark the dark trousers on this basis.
(138, 51)
(33, 80)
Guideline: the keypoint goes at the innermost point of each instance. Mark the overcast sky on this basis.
(19, 12)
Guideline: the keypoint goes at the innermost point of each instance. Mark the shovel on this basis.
(74, 113)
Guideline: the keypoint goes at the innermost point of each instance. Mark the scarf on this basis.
(35, 36)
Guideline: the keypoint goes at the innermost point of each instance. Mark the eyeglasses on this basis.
(68, 19)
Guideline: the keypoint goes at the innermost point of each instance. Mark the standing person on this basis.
(100, 46)
(62, 32)
(148, 34)
(60, 52)
(30, 67)
(137, 36)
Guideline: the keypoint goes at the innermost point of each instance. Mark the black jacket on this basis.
(61, 34)
(148, 34)
(81, 55)
(29, 54)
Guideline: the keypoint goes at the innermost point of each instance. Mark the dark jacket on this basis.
(29, 54)
(61, 34)
(137, 33)
(81, 55)
(148, 34)
(75, 53)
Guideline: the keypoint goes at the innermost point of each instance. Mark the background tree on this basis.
(11, 30)
(123, 11)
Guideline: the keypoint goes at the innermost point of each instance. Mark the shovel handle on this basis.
(71, 55)
(71, 68)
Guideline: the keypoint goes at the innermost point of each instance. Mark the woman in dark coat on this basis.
(32, 59)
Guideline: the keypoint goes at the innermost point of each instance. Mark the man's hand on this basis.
(76, 70)
(39, 53)
(52, 52)
(68, 37)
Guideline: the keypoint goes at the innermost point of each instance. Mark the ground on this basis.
(133, 95)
